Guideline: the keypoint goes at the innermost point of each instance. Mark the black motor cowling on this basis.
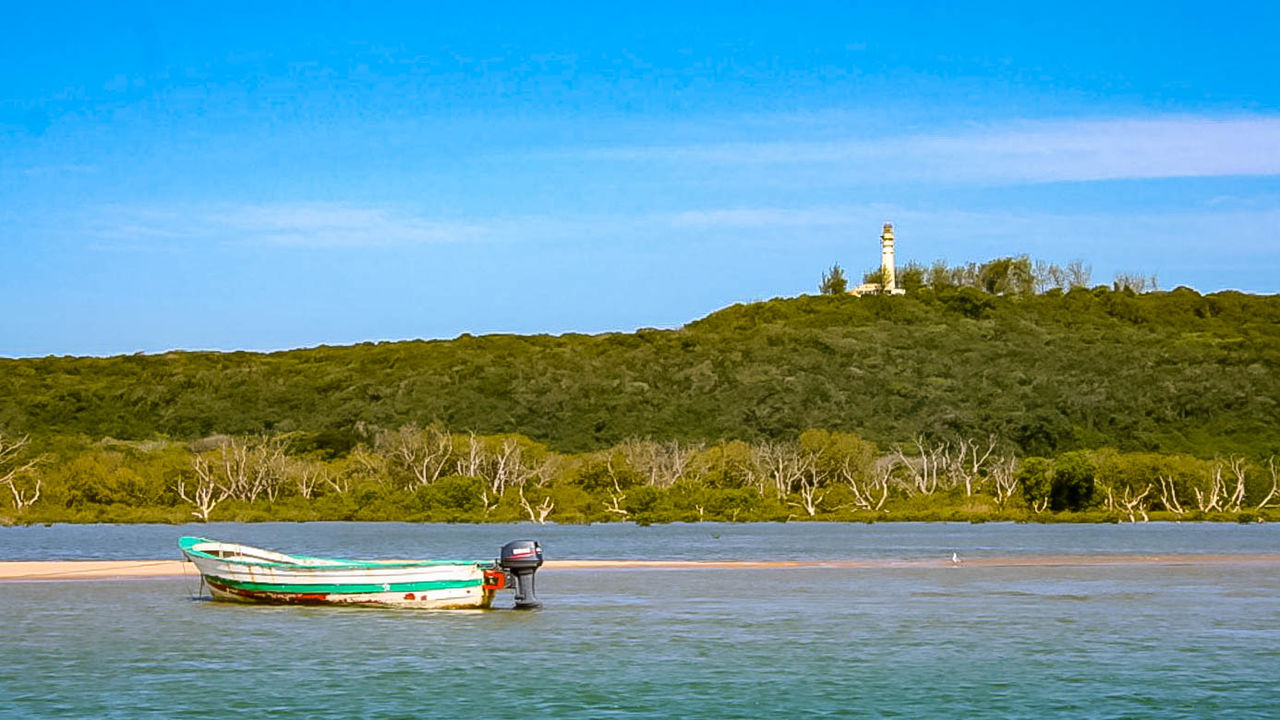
(521, 559)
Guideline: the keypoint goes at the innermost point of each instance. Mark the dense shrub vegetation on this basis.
(826, 406)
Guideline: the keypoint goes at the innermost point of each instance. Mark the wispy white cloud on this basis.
(333, 226)
(775, 217)
(301, 225)
(319, 225)
(1234, 236)
(1023, 152)
(1228, 231)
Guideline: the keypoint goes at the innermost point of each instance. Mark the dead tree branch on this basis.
(206, 494)
(1169, 495)
(423, 452)
(810, 489)
(785, 464)
(23, 481)
(1275, 483)
(1211, 499)
(1004, 478)
(865, 491)
(926, 467)
(539, 514)
(1135, 503)
(1237, 467)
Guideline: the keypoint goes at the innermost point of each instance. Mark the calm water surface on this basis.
(1152, 641)
(617, 541)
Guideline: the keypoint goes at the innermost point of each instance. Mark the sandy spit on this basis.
(61, 570)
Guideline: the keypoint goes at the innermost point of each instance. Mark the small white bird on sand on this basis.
(955, 559)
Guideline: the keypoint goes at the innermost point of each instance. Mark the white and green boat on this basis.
(249, 574)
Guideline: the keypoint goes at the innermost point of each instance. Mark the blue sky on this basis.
(228, 177)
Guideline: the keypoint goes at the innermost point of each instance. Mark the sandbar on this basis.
(62, 570)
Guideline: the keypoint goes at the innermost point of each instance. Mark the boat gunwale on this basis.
(188, 545)
(339, 589)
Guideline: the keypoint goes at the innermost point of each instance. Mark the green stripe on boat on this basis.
(347, 588)
(188, 545)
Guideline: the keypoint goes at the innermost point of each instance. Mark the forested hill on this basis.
(1167, 371)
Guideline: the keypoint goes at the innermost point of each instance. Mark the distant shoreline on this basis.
(941, 515)
(74, 570)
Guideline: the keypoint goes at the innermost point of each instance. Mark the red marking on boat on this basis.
(408, 596)
(273, 597)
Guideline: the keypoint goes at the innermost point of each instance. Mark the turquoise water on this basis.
(1133, 641)
(701, 541)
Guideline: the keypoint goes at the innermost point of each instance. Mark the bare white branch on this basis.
(207, 493)
(1275, 483)
(19, 475)
(539, 514)
(1169, 495)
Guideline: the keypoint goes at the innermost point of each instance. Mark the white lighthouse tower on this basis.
(887, 267)
(888, 284)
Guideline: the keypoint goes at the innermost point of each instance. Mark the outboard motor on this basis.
(521, 559)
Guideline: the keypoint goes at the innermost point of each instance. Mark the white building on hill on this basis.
(888, 270)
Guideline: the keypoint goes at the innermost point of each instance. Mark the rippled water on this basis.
(701, 541)
(1152, 641)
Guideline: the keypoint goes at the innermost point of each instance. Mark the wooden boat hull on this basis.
(472, 598)
(242, 573)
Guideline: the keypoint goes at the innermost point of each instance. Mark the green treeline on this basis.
(1159, 372)
(1186, 383)
(430, 474)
